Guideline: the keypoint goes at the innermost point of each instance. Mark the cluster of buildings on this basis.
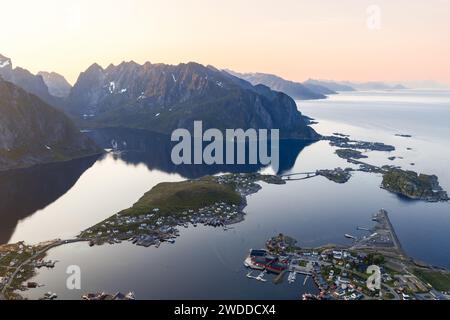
(339, 274)
(153, 228)
(242, 183)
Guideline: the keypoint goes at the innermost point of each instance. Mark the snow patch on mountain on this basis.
(5, 63)
(112, 87)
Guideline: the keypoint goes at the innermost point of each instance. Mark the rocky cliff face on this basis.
(26, 80)
(32, 132)
(56, 83)
(162, 98)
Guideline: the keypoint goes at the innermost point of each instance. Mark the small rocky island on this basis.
(406, 183)
(404, 135)
(413, 185)
(337, 175)
(350, 154)
(345, 142)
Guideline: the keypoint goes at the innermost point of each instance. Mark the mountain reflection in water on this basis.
(154, 150)
(25, 191)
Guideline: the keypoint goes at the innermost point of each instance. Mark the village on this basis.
(155, 226)
(341, 273)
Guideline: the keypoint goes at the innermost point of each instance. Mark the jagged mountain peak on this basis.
(56, 83)
(5, 62)
(162, 97)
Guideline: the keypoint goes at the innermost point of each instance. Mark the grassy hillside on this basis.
(175, 197)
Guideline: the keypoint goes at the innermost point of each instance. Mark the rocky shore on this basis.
(414, 186)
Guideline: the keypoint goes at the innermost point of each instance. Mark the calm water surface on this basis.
(207, 262)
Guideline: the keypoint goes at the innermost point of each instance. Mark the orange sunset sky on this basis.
(296, 39)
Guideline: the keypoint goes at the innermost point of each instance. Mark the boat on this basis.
(248, 263)
(349, 236)
(292, 277)
(260, 277)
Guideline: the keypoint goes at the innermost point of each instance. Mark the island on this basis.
(337, 175)
(404, 135)
(347, 143)
(155, 218)
(412, 185)
(216, 201)
(350, 154)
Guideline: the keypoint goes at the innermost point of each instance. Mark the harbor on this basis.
(340, 272)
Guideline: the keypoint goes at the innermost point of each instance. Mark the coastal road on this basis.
(37, 254)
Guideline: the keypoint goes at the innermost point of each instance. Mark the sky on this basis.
(357, 40)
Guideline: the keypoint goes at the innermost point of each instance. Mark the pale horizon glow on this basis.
(294, 39)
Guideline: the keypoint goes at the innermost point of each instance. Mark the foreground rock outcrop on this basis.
(32, 132)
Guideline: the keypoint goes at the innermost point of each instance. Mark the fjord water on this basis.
(207, 262)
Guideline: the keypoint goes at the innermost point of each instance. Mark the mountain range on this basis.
(24, 79)
(56, 83)
(374, 85)
(162, 98)
(154, 97)
(32, 132)
(355, 86)
(331, 85)
(296, 90)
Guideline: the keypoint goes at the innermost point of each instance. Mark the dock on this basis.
(306, 279)
(383, 237)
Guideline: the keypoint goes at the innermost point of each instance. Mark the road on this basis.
(37, 254)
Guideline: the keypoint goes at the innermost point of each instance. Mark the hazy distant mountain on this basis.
(331, 85)
(161, 98)
(425, 84)
(374, 85)
(295, 90)
(26, 80)
(32, 132)
(56, 83)
(319, 89)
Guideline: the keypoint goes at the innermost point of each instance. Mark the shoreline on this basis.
(254, 188)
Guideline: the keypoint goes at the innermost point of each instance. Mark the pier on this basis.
(384, 236)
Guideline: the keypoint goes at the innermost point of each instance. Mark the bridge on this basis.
(299, 176)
